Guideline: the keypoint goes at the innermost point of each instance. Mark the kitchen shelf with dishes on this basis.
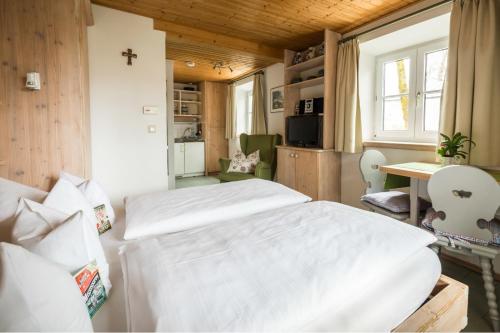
(187, 105)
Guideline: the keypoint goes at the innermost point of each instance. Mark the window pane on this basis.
(435, 67)
(396, 113)
(432, 106)
(396, 77)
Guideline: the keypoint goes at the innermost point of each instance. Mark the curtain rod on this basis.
(394, 21)
(259, 71)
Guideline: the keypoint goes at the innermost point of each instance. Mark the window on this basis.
(244, 96)
(409, 90)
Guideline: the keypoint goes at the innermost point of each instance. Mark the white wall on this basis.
(275, 77)
(126, 159)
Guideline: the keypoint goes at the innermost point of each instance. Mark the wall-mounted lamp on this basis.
(33, 81)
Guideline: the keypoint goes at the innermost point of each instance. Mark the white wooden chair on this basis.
(465, 200)
(376, 198)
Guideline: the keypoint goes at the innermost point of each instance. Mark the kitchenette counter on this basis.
(189, 139)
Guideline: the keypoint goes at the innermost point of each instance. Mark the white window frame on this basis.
(415, 132)
(420, 133)
(249, 110)
(243, 109)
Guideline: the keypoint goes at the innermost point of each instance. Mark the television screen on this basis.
(305, 131)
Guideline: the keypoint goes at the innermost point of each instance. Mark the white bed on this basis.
(182, 209)
(314, 266)
(112, 317)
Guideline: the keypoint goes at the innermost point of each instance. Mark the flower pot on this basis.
(449, 160)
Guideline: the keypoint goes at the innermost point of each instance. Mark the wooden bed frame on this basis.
(444, 311)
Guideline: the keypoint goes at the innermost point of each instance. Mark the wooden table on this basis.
(418, 172)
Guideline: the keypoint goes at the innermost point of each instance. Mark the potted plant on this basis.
(451, 149)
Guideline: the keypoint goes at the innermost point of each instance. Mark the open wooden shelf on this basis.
(188, 91)
(307, 83)
(308, 64)
(188, 115)
(187, 102)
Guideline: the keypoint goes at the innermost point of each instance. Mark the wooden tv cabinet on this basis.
(314, 172)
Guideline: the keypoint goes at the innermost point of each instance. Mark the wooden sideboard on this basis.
(314, 172)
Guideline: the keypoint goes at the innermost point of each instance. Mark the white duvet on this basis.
(278, 270)
(172, 211)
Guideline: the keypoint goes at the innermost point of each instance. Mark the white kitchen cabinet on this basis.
(179, 159)
(190, 159)
(194, 158)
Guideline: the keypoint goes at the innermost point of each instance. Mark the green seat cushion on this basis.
(234, 176)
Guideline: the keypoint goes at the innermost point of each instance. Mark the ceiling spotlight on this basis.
(190, 63)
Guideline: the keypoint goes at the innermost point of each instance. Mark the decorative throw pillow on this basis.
(244, 164)
(394, 201)
(493, 226)
(37, 295)
(69, 241)
(68, 199)
(97, 198)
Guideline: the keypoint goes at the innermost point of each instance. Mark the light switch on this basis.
(151, 128)
(150, 110)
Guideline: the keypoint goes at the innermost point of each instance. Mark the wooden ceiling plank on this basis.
(180, 33)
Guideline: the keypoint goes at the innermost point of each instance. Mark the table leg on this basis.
(414, 207)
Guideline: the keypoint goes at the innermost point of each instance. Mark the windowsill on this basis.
(421, 146)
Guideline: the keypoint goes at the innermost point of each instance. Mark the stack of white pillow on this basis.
(63, 231)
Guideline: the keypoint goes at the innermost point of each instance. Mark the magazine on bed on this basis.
(91, 287)
(103, 223)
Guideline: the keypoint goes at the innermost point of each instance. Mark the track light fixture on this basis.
(219, 66)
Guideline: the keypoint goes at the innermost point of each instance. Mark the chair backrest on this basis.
(467, 196)
(266, 144)
(369, 164)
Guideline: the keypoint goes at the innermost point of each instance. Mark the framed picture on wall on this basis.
(277, 99)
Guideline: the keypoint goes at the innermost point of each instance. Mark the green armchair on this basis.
(265, 169)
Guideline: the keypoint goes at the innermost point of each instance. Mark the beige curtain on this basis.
(347, 111)
(471, 101)
(259, 121)
(230, 113)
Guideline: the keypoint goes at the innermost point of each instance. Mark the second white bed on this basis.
(315, 266)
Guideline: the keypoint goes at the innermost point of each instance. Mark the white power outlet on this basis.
(150, 110)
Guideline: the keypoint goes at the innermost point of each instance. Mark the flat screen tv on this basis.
(305, 131)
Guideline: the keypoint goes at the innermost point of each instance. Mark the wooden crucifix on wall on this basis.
(129, 55)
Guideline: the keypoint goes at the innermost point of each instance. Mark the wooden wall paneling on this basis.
(44, 131)
(214, 123)
(331, 47)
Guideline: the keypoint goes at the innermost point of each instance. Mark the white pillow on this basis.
(10, 193)
(36, 295)
(244, 164)
(66, 198)
(68, 241)
(92, 191)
